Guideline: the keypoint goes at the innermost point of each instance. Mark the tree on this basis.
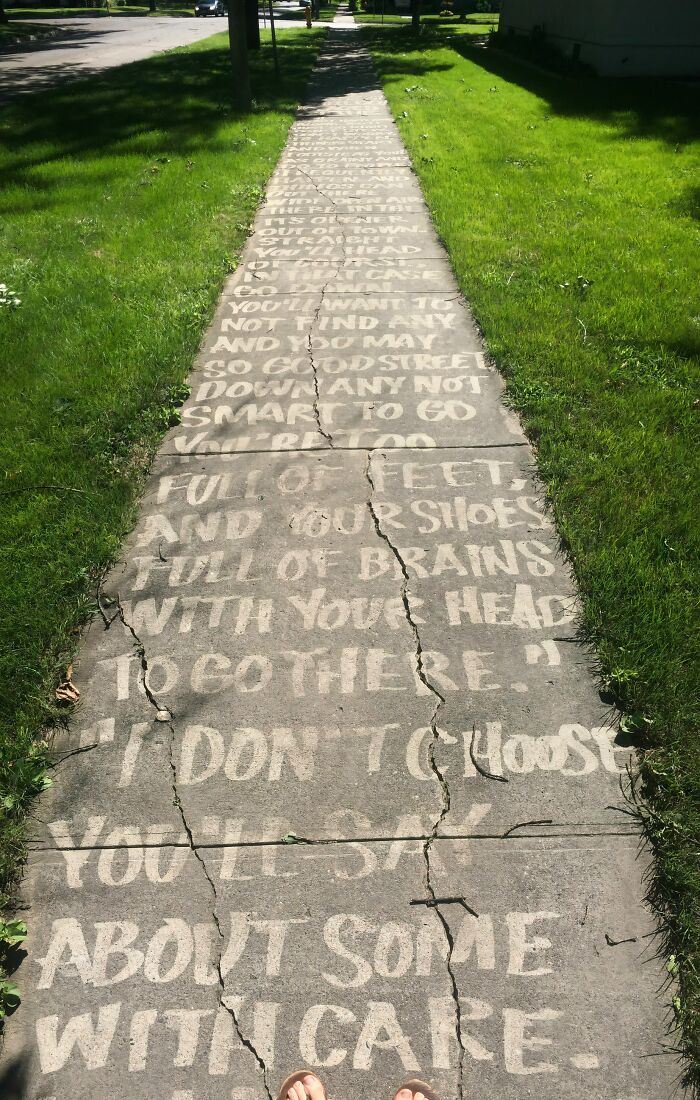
(3, 13)
(415, 14)
(238, 46)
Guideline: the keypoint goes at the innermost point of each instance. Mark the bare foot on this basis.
(307, 1088)
(415, 1090)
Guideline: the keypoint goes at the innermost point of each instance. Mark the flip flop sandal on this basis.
(299, 1076)
(414, 1085)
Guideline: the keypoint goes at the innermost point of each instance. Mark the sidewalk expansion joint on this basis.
(320, 842)
(338, 447)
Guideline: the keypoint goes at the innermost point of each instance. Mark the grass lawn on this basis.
(126, 200)
(570, 209)
(17, 34)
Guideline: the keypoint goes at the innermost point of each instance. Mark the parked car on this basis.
(209, 7)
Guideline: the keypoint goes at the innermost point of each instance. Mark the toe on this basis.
(403, 1094)
(314, 1087)
(296, 1092)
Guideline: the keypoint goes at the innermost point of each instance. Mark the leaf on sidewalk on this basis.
(66, 692)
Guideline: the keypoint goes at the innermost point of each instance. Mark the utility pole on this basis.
(238, 46)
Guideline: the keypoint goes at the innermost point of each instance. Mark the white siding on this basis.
(617, 37)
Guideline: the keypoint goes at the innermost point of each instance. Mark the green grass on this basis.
(17, 34)
(125, 201)
(571, 211)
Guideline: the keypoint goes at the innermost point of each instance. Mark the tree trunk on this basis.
(239, 54)
(415, 14)
(252, 24)
(3, 13)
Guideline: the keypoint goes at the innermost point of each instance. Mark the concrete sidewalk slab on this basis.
(180, 971)
(431, 384)
(341, 790)
(343, 676)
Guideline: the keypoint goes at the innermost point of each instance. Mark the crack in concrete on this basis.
(434, 767)
(194, 848)
(98, 599)
(480, 767)
(143, 660)
(453, 981)
(191, 844)
(310, 346)
(313, 183)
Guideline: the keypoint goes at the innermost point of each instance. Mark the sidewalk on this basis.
(349, 798)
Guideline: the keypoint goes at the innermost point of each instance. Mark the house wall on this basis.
(616, 37)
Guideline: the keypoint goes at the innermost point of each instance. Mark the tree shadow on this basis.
(687, 204)
(172, 104)
(668, 110)
(14, 1079)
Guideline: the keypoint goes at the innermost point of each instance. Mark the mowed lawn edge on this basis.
(570, 212)
(125, 201)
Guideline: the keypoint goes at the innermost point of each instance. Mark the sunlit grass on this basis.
(571, 210)
(125, 201)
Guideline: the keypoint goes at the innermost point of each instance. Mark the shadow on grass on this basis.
(171, 103)
(668, 110)
(688, 204)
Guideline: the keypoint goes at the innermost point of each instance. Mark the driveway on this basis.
(85, 46)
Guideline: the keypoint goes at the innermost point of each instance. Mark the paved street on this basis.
(341, 792)
(85, 46)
